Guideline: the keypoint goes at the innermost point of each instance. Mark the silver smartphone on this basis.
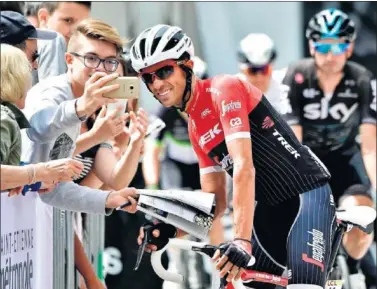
(129, 87)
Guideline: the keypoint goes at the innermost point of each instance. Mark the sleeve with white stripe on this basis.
(233, 103)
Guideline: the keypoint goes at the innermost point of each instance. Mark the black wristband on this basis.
(246, 240)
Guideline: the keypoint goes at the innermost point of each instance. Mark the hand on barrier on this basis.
(232, 258)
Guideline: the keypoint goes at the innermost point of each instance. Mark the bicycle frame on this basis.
(343, 226)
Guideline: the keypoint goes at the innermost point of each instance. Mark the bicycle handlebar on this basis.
(174, 243)
(182, 244)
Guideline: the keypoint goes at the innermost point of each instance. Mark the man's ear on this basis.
(350, 50)
(68, 59)
(43, 16)
(189, 63)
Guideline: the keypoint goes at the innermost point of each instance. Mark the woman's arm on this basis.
(49, 172)
(13, 176)
(114, 173)
(118, 174)
(84, 267)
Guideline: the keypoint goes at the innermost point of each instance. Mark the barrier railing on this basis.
(64, 273)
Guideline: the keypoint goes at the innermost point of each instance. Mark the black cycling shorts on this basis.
(295, 235)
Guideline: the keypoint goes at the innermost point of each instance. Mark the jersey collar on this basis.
(195, 96)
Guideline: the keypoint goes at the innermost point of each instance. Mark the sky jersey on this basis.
(330, 122)
(224, 108)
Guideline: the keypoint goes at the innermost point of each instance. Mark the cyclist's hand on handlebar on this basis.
(232, 258)
(158, 235)
(140, 238)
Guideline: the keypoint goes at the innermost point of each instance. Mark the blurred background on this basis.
(217, 27)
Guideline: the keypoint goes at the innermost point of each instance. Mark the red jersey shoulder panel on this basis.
(233, 99)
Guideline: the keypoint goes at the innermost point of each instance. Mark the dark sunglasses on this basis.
(258, 69)
(161, 73)
(35, 56)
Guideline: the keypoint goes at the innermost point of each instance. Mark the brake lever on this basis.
(140, 252)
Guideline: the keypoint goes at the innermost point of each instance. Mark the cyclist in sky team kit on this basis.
(329, 101)
(284, 213)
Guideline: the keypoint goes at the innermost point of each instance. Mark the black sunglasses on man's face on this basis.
(161, 73)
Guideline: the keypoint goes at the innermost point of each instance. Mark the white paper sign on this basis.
(26, 242)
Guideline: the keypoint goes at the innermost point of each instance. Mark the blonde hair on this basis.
(96, 29)
(15, 74)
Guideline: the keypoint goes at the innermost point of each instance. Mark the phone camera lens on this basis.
(131, 87)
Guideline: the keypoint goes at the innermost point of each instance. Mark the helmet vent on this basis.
(158, 37)
(142, 48)
(173, 41)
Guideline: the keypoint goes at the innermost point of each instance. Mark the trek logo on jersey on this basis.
(205, 112)
(213, 90)
(318, 249)
(285, 144)
(347, 94)
(209, 135)
(310, 92)
(235, 122)
(267, 123)
(322, 110)
(231, 106)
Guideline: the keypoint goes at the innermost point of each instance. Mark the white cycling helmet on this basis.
(158, 43)
(256, 49)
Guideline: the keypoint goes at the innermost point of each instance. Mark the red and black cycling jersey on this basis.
(225, 108)
(330, 122)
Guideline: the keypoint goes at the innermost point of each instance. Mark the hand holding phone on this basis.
(129, 88)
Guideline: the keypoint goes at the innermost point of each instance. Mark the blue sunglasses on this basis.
(335, 48)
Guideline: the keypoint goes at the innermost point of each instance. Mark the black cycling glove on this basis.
(236, 254)
(167, 231)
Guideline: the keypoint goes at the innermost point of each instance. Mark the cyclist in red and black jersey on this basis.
(283, 207)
